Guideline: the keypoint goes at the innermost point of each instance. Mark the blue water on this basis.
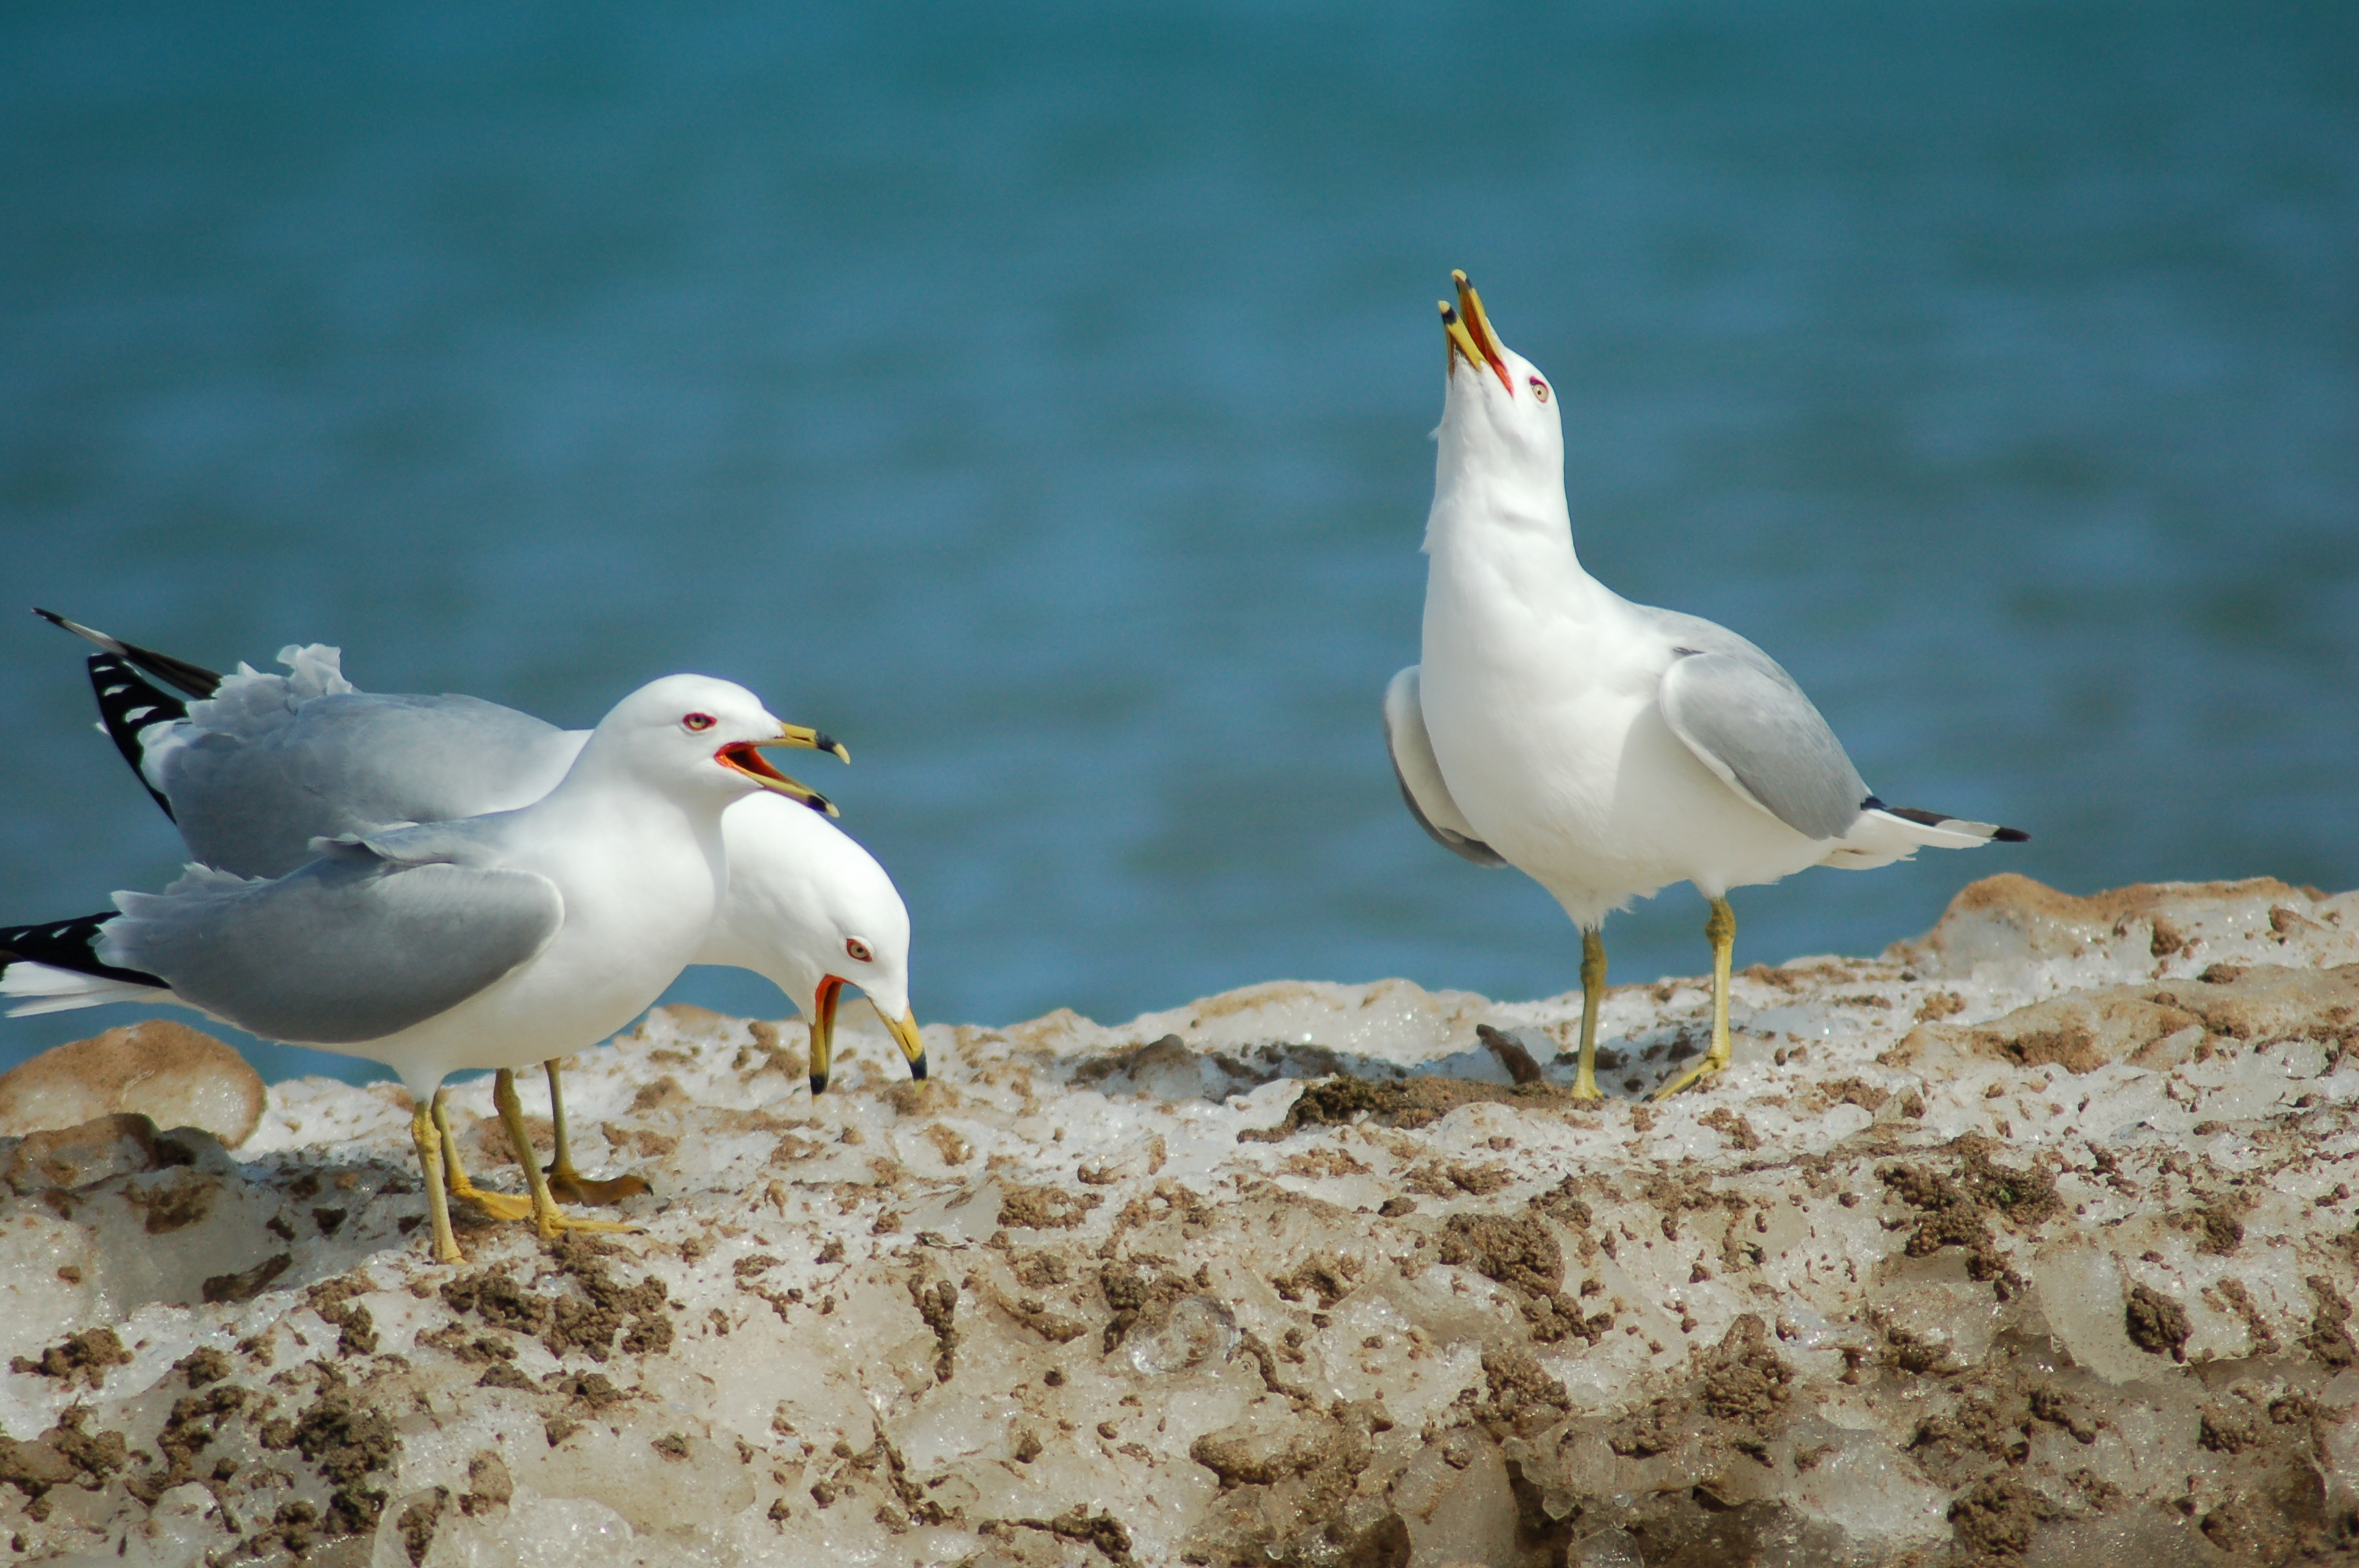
(1037, 397)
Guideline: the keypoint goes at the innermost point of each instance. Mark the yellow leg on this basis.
(546, 1217)
(569, 1184)
(1592, 996)
(428, 1138)
(1722, 930)
(499, 1205)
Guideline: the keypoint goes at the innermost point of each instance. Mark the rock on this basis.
(2153, 1026)
(2010, 919)
(2079, 1033)
(105, 1146)
(2264, 1002)
(165, 1071)
(2030, 1240)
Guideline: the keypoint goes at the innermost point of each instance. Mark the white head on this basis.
(1501, 440)
(698, 737)
(813, 912)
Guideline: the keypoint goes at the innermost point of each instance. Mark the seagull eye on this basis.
(1539, 389)
(697, 721)
(857, 948)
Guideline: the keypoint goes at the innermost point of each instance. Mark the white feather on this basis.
(52, 990)
(1879, 838)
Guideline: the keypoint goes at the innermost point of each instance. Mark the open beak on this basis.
(904, 1030)
(1468, 331)
(823, 1032)
(745, 757)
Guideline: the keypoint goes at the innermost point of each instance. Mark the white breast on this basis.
(1540, 695)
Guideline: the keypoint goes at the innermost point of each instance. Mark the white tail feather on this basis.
(1879, 838)
(52, 990)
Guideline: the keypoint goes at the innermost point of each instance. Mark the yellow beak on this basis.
(903, 1029)
(912, 1044)
(823, 1032)
(745, 758)
(817, 740)
(1468, 331)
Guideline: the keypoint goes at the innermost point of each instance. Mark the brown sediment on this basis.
(1446, 1320)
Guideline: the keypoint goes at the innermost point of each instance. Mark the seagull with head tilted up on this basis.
(1602, 748)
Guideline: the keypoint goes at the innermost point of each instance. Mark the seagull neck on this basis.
(601, 786)
(1493, 527)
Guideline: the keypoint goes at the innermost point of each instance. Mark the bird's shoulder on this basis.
(480, 842)
(1686, 636)
(464, 718)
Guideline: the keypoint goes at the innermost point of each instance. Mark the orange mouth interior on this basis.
(745, 758)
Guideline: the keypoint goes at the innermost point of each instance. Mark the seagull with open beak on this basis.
(1605, 748)
(488, 941)
(264, 763)
(813, 913)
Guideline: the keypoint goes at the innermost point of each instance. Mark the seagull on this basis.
(488, 941)
(1605, 748)
(264, 763)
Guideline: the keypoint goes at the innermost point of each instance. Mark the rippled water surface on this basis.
(1038, 397)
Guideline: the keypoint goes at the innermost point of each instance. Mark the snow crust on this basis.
(2030, 1238)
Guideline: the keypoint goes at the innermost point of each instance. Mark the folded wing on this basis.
(1744, 717)
(1747, 720)
(254, 775)
(365, 941)
(1418, 774)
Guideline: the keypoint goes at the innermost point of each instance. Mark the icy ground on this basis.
(2030, 1241)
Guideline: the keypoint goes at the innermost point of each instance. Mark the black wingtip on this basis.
(87, 634)
(1940, 819)
(194, 679)
(69, 945)
(127, 704)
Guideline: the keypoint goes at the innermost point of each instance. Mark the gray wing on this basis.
(1744, 717)
(250, 796)
(1418, 773)
(352, 948)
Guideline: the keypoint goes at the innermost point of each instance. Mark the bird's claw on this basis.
(573, 1186)
(557, 1220)
(1693, 1076)
(498, 1205)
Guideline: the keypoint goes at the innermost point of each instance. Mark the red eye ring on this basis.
(1539, 389)
(697, 721)
(858, 950)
